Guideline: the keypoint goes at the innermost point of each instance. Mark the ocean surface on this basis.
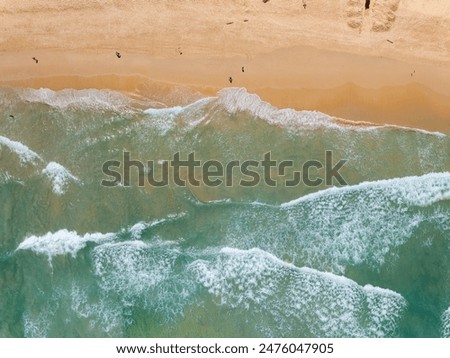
(78, 259)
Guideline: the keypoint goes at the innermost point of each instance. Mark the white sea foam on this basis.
(36, 325)
(5, 178)
(59, 176)
(415, 190)
(445, 329)
(411, 129)
(132, 267)
(298, 299)
(62, 242)
(103, 314)
(163, 119)
(199, 104)
(238, 99)
(187, 117)
(145, 274)
(26, 154)
(89, 98)
(137, 229)
(65, 242)
(168, 111)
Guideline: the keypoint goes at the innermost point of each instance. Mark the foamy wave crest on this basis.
(445, 330)
(238, 99)
(90, 98)
(137, 229)
(25, 154)
(163, 119)
(298, 300)
(62, 242)
(420, 191)
(59, 176)
(184, 118)
(163, 112)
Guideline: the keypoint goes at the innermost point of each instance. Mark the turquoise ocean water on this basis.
(77, 259)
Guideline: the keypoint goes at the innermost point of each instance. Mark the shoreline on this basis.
(386, 65)
(301, 83)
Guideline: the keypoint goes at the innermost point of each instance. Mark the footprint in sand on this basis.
(371, 15)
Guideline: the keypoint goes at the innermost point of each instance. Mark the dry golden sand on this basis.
(388, 64)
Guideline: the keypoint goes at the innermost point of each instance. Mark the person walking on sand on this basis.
(230, 79)
(35, 59)
(118, 54)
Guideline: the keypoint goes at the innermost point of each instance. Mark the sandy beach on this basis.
(387, 64)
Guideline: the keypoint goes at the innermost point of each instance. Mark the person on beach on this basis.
(35, 59)
(243, 69)
(230, 79)
(118, 54)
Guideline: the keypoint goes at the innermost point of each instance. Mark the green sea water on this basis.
(78, 259)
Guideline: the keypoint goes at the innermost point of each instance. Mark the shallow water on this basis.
(77, 259)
